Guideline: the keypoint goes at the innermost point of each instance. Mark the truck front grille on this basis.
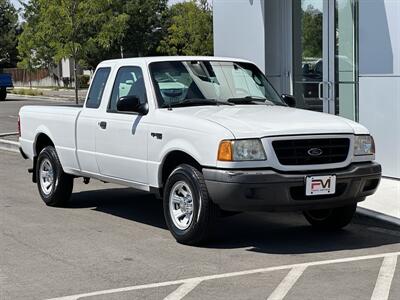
(311, 151)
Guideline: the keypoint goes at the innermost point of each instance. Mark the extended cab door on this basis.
(87, 122)
(121, 138)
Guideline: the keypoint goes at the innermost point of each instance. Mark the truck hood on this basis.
(245, 121)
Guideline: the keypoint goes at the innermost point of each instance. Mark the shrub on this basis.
(83, 80)
(27, 92)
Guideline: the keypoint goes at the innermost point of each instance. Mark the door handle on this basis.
(103, 124)
(320, 90)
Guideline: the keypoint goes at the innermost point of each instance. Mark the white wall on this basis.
(66, 68)
(239, 30)
(380, 112)
(380, 78)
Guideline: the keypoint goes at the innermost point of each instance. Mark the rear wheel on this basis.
(55, 186)
(3, 94)
(188, 210)
(331, 219)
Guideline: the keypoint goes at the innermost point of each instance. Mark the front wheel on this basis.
(331, 219)
(188, 210)
(55, 186)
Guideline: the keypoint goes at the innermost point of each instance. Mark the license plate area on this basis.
(320, 185)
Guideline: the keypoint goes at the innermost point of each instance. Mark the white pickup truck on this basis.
(206, 134)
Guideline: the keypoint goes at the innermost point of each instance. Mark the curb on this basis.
(8, 133)
(48, 98)
(378, 216)
(9, 145)
(52, 99)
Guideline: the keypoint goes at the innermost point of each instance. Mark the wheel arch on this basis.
(173, 159)
(42, 140)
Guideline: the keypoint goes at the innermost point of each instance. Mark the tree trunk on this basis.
(30, 78)
(76, 83)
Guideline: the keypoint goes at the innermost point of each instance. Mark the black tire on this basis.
(331, 219)
(62, 185)
(3, 94)
(204, 210)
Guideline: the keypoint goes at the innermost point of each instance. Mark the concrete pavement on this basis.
(386, 201)
(112, 238)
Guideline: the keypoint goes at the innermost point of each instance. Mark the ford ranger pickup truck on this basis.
(205, 134)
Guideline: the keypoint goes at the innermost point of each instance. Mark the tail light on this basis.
(19, 126)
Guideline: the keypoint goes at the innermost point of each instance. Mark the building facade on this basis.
(336, 56)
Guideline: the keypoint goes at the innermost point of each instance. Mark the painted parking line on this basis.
(385, 277)
(227, 275)
(183, 290)
(287, 283)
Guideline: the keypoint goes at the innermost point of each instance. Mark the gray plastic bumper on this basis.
(270, 190)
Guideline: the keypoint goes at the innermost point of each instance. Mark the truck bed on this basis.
(58, 122)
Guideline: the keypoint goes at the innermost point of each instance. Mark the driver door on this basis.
(121, 137)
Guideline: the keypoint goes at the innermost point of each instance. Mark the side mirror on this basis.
(289, 100)
(132, 104)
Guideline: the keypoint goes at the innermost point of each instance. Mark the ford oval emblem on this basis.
(315, 152)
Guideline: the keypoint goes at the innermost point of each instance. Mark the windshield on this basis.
(179, 83)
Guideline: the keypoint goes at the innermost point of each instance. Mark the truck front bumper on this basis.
(270, 190)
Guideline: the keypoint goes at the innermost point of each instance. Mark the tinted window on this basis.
(129, 82)
(97, 88)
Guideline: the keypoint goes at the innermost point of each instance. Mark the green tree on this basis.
(312, 32)
(145, 26)
(76, 27)
(144, 29)
(189, 29)
(8, 32)
(70, 29)
(33, 45)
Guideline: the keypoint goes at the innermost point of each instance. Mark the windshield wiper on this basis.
(197, 102)
(251, 100)
(246, 100)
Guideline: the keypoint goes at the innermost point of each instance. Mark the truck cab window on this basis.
(129, 82)
(97, 88)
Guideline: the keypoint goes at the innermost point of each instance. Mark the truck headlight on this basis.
(241, 150)
(364, 145)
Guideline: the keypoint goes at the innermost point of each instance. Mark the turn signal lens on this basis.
(225, 151)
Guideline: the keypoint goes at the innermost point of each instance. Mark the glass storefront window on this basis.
(308, 53)
(346, 53)
(325, 56)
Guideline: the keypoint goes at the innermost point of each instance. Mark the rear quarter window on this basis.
(97, 88)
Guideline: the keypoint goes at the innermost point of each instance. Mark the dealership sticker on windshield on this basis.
(320, 185)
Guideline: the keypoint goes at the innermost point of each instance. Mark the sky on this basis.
(316, 3)
(18, 5)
